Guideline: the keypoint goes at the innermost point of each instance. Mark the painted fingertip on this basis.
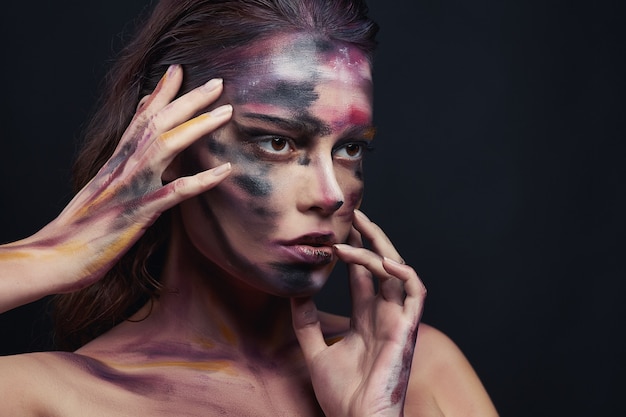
(170, 70)
(222, 169)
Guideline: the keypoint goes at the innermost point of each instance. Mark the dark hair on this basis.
(206, 38)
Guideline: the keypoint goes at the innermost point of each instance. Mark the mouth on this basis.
(314, 249)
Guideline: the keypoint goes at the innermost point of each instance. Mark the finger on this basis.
(172, 142)
(390, 287)
(413, 286)
(140, 127)
(380, 243)
(164, 92)
(142, 103)
(187, 106)
(360, 279)
(306, 325)
(374, 234)
(185, 187)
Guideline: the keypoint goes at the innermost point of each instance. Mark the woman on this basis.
(212, 205)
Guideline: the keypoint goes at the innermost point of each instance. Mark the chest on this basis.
(172, 391)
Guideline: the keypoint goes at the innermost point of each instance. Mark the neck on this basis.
(200, 301)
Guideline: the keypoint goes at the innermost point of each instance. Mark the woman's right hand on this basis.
(125, 197)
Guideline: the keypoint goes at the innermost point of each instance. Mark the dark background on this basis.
(499, 174)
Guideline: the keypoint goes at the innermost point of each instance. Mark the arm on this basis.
(126, 196)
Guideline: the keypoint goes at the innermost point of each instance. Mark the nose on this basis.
(321, 192)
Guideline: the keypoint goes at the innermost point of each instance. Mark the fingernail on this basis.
(225, 110)
(170, 70)
(222, 169)
(361, 215)
(342, 246)
(213, 84)
(391, 261)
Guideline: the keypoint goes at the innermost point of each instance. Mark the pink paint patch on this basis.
(358, 117)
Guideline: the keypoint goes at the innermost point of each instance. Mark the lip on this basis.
(315, 249)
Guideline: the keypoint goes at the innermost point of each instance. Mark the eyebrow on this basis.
(310, 126)
(304, 125)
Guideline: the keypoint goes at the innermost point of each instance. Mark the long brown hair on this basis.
(205, 37)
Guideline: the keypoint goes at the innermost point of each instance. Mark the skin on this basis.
(236, 332)
(297, 140)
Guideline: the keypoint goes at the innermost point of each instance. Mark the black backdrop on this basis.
(498, 173)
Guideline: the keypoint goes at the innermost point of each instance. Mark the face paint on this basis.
(254, 186)
(301, 123)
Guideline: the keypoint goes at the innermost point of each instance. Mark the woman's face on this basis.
(301, 124)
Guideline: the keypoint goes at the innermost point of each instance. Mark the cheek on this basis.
(351, 182)
(248, 191)
(353, 199)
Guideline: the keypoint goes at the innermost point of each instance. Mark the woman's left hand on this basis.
(367, 372)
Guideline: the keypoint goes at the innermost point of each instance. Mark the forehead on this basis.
(290, 70)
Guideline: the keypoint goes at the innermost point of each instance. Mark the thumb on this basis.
(306, 325)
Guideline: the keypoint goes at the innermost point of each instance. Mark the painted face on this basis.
(302, 121)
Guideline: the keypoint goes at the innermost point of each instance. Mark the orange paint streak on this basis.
(68, 248)
(160, 83)
(104, 196)
(117, 246)
(215, 366)
(182, 127)
(11, 255)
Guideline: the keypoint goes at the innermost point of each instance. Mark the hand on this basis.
(367, 372)
(127, 195)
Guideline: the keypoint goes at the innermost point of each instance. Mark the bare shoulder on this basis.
(442, 378)
(29, 381)
(47, 383)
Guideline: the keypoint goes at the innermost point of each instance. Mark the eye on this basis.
(275, 145)
(352, 150)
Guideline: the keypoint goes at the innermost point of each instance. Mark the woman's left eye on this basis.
(352, 150)
(275, 145)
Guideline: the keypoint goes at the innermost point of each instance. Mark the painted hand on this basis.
(367, 372)
(127, 195)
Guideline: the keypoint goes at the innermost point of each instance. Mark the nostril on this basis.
(338, 205)
(329, 208)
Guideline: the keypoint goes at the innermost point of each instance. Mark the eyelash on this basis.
(270, 141)
(287, 147)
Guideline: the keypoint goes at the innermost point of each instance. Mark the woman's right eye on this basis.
(275, 145)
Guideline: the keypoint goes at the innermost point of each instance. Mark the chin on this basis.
(298, 280)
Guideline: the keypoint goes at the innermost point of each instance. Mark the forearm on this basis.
(28, 272)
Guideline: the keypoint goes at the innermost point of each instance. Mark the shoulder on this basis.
(442, 376)
(45, 383)
(26, 382)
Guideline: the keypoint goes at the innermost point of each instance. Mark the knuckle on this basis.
(153, 123)
(179, 186)
(421, 289)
